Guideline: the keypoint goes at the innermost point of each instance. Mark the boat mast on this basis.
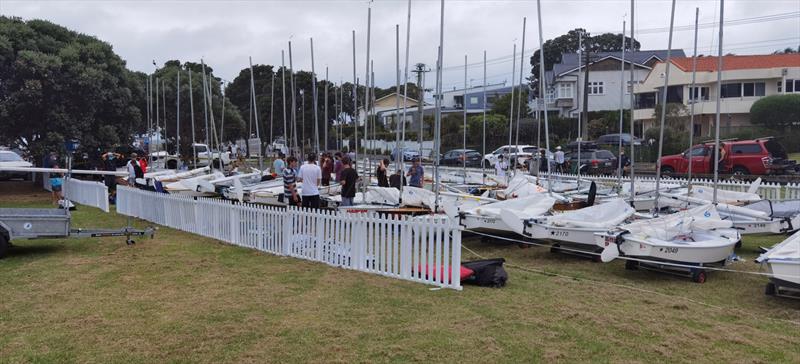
(164, 108)
(719, 97)
(543, 85)
(255, 114)
(354, 118)
(664, 108)
(621, 109)
(513, 163)
(405, 100)
(438, 117)
(519, 97)
(483, 151)
(191, 115)
(272, 108)
(283, 88)
(367, 99)
(205, 105)
(397, 99)
(693, 92)
(294, 103)
(633, 102)
(158, 126)
(325, 119)
(178, 114)
(314, 99)
(464, 108)
(578, 98)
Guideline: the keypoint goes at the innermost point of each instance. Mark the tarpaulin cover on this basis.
(603, 216)
(680, 223)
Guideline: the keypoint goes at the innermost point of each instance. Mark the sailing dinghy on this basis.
(783, 262)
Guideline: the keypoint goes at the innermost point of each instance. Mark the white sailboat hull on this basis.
(706, 248)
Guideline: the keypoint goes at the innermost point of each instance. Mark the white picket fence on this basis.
(425, 250)
(89, 193)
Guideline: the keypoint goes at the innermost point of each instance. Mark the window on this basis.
(753, 89)
(792, 86)
(731, 90)
(473, 100)
(596, 88)
(9, 157)
(698, 129)
(645, 100)
(698, 93)
(779, 87)
(746, 149)
(564, 90)
(699, 151)
(604, 154)
(529, 149)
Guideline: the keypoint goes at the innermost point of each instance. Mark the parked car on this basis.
(456, 157)
(593, 161)
(519, 154)
(758, 156)
(11, 159)
(408, 154)
(613, 139)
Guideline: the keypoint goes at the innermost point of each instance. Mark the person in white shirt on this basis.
(132, 169)
(559, 157)
(311, 175)
(501, 166)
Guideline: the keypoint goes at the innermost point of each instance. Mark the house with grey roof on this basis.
(564, 97)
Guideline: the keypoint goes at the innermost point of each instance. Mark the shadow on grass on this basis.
(20, 251)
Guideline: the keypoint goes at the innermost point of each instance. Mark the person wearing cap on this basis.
(416, 174)
(501, 166)
(559, 157)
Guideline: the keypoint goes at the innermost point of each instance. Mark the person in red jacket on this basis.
(143, 164)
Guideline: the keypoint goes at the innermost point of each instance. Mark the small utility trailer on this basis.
(36, 223)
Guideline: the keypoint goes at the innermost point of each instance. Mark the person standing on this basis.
(338, 166)
(131, 167)
(327, 169)
(110, 165)
(278, 165)
(559, 157)
(501, 166)
(310, 174)
(416, 174)
(381, 173)
(543, 162)
(397, 179)
(624, 162)
(143, 165)
(56, 182)
(290, 196)
(348, 179)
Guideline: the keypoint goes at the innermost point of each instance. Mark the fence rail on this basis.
(425, 250)
(88, 193)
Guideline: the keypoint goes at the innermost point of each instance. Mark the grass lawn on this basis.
(184, 298)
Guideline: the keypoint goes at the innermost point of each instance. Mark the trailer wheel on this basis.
(738, 244)
(4, 245)
(631, 265)
(698, 276)
(770, 289)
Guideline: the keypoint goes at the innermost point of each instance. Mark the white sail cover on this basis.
(524, 207)
(724, 196)
(680, 223)
(414, 196)
(383, 195)
(603, 216)
(521, 186)
(787, 250)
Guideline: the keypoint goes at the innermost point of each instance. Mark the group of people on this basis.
(340, 168)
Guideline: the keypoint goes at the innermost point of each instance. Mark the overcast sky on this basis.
(225, 33)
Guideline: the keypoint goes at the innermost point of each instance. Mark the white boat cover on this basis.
(414, 196)
(382, 195)
(724, 196)
(524, 207)
(680, 223)
(784, 208)
(603, 216)
(522, 185)
(787, 250)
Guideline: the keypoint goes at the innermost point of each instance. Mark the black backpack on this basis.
(488, 272)
(137, 170)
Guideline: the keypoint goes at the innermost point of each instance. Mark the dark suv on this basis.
(593, 161)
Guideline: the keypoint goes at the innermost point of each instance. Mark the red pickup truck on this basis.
(759, 156)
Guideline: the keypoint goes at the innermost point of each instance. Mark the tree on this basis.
(502, 104)
(54, 79)
(555, 48)
(788, 50)
(777, 112)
